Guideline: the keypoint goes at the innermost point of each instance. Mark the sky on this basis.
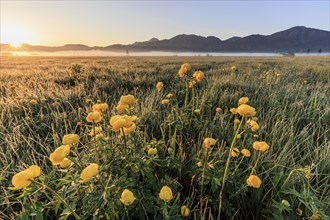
(102, 23)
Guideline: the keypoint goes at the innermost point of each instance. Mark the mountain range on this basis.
(295, 39)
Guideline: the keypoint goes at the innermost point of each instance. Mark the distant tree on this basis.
(320, 50)
(127, 53)
(308, 50)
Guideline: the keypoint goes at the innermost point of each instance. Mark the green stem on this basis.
(75, 162)
(165, 212)
(95, 144)
(193, 99)
(202, 183)
(255, 165)
(226, 168)
(238, 165)
(186, 99)
(125, 141)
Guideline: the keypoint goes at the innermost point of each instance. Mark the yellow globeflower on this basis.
(198, 75)
(127, 197)
(33, 102)
(88, 100)
(186, 66)
(98, 130)
(121, 107)
(243, 100)
(152, 151)
(197, 111)
(260, 145)
(59, 154)
(233, 68)
(166, 194)
(182, 72)
(128, 130)
(191, 84)
(246, 153)
(127, 100)
(246, 110)
(66, 163)
(118, 122)
(218, 109)
(165, 101)
(233, 111)
(234, 152)
(253, 125)
(70, 139)
(23, 178)
(237, 121)
(208, 142)
(94, 116)
(100, 107)
(159, 86)
(169, 95)
(35, 169)
(185, 211)
(99, 137)
(253, 181)
(89, 172)
(184, 69)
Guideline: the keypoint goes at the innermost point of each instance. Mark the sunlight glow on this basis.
(16, 44)
(15, 36)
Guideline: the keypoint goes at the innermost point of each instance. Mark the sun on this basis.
(15, 36)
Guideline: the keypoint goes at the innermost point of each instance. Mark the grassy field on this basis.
(290, 96)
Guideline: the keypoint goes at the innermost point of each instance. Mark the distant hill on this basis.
(296, 39)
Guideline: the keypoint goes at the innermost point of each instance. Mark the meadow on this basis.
(156, 138)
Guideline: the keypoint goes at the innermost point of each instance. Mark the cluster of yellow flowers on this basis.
(191, 84)
(270, 73)
(165, 194)
(126, 123)
(59, 156)
(159, 87)
(246, 110)
(96, 115)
